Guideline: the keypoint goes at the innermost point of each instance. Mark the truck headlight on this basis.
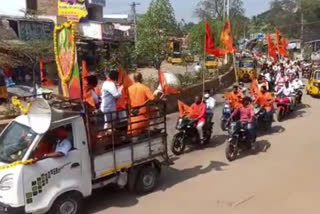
(6, 182)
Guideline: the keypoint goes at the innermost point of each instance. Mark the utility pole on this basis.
(134, 12)
(302, 28)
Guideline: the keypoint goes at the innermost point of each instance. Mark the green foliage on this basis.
(28, 53)
(154, 29)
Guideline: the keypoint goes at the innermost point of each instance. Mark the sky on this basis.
(184, 9)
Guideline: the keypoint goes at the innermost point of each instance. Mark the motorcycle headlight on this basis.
(178, 126)
(6, 182)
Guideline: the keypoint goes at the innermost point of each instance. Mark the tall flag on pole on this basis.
(272, 49)
(210, 47)
(227, 39)
(282, 44)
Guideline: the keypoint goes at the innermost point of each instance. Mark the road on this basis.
(282, 178)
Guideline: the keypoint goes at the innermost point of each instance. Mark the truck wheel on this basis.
(69, 203)
(147, 179)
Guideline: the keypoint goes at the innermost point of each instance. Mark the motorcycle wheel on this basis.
(279, 115)
(178, 145)
(231, 152)
(224, 125)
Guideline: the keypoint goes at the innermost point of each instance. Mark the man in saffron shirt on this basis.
(199, 110)
(139, 95)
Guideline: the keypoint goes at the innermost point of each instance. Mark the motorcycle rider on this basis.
(247, 116)
(297, 84)
(281, 80)
(265, 100)
(235, 97)
(288, 92)
(210, 105)
(200, 110)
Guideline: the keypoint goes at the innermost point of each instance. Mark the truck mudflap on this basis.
(4, 209)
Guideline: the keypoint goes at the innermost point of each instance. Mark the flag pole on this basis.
(235, 67)
(204, 67)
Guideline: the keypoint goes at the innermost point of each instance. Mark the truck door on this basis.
(49, 178)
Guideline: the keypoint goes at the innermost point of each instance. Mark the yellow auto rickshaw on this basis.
(211, 62)
(313, 86)
(176, 58)
(247, 69)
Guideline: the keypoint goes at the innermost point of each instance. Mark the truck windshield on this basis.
(15, 141)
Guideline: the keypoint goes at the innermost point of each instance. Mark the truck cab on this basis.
(31, 181)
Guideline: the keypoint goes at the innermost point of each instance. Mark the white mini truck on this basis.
(98, 157)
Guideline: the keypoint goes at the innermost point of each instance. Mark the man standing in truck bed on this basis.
(139, 95)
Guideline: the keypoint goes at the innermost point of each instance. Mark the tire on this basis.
(69, 203)
(231, 152)
(178, 145)
(224, 125)
(279, 115)
(147, 179)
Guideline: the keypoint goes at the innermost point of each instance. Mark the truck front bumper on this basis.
(4, 209)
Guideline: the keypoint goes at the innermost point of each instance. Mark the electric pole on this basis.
(134, 12)
(302, 27)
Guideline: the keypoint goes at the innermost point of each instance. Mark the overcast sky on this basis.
(183, 8)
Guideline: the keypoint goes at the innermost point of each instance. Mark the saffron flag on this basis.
(272, 49)
(210, 47)
(282, 44)
(124, 80)
(226, 38)
(185, 110)
(167, 89)
(45, 81)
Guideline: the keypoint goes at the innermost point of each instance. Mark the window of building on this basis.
(32, 5)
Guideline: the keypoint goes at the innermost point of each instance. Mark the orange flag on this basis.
(185, 110)
(210, 47)
(282, 44)
(124, 80)
(226, 38)
(164, 85)
(272, 49)
(45, 81)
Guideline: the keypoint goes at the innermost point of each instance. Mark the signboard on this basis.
(74, 10)
(91, 30)
(101, 3)
(32, 30)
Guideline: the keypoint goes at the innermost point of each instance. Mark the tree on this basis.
(215, 8)
(25, 53)
(154, 29)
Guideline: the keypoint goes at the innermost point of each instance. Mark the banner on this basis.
(74, 10)
(66, 59)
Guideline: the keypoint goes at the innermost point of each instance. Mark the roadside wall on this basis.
(187, 94)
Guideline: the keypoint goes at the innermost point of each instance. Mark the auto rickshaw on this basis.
(313, 86)
(247, 69)
(211, 62)
(176, 58)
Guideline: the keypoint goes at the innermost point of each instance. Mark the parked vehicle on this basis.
(60, 184)
(313, 86)
(211, 62)
(188, 135)
(238, 141)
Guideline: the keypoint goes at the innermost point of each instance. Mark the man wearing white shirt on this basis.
(110, 95)
(210, 105)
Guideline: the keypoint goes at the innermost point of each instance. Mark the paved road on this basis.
(282, 178)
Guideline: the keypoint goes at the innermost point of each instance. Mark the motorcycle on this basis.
(226, 113)
(264, 121)
(238, 141)
(283, 107)
(188, 135)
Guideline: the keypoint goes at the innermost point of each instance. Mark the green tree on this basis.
(154, 29)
